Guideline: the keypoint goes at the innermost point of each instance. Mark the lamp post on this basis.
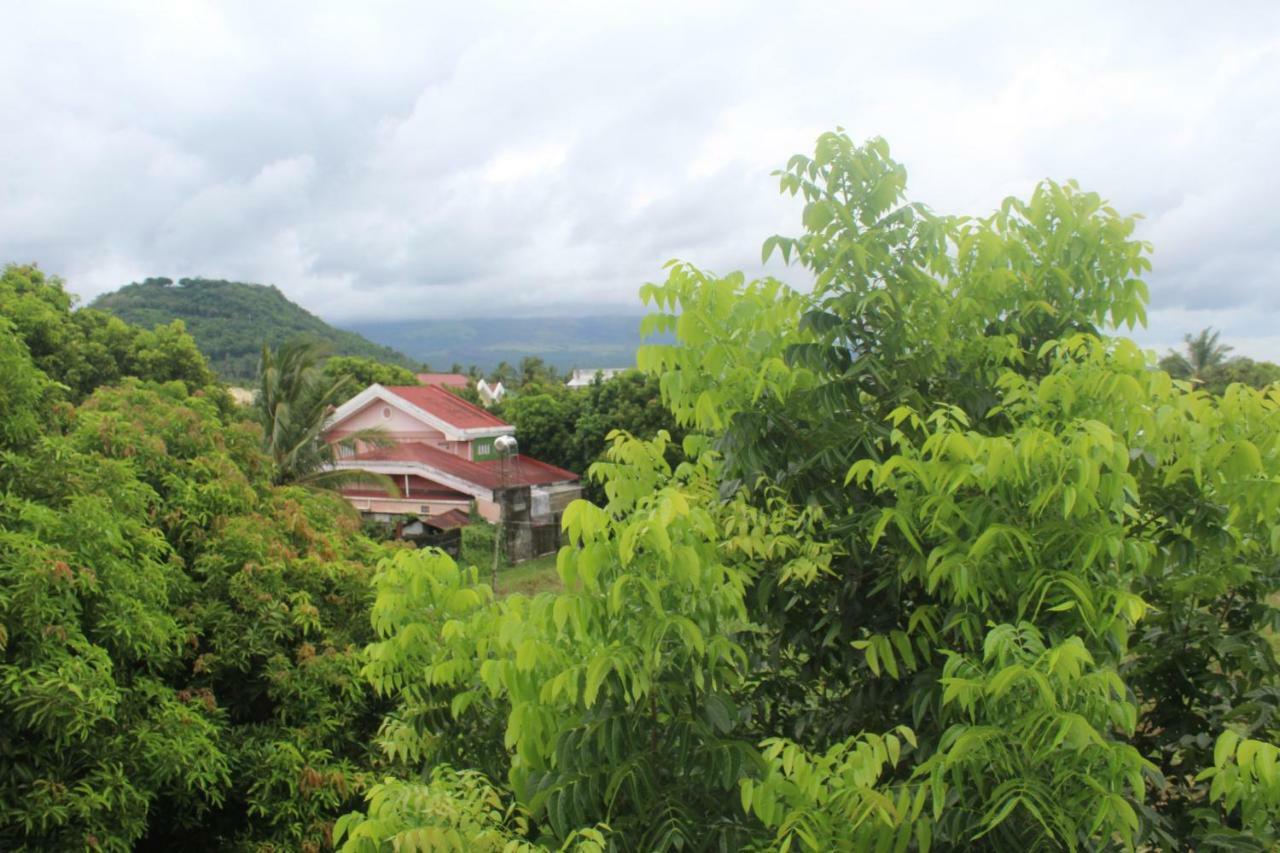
(506, 447)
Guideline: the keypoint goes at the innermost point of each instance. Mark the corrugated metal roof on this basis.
(447, 406)
(451, 380)
(520, 470)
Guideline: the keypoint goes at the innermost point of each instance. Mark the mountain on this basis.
(230, 320)
(563, 342)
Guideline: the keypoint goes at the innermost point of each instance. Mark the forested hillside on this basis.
(230, 321)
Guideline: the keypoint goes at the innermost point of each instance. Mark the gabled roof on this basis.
(448, 380)
(447, 406)
(432, 405)
(449, 520)
(488, 475)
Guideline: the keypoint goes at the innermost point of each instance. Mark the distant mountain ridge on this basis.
(230, 320)
(563, 342)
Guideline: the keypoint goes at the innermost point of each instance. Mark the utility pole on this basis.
(506, 446)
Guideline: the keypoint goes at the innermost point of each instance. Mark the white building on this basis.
(490, 394)
(583, 378)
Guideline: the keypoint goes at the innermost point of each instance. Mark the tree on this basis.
(178, 638)
(1203, 353)
(1245, 371)
(570, 427)
(294, 400)
(83, 349)
(546, 426)
(364, 372)
(535, 371)
(945, 565)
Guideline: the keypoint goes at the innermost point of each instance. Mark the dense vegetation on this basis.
(939, 563)
(231, 321)
(179, 639)
(1205, 361)
(569, 427)
(946, 567)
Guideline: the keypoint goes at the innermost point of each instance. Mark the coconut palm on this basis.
(1203, 352)
(293, 401)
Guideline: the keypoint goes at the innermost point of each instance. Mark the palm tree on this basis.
(1203, 353)
(293, 401)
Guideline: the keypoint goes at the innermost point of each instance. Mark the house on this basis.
(583, 378)
(443, 460)
(490, 394)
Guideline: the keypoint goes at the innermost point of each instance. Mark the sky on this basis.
(426, 160)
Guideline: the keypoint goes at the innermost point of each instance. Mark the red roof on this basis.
(451, 380)
(449, 520)
(447, 406)
(521, 470)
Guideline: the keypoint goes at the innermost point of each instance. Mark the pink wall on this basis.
(398, 426)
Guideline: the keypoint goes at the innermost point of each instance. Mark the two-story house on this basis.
(441, 457)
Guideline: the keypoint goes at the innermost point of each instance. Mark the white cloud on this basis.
(392, 161)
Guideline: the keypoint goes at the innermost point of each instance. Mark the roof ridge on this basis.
(451, 399)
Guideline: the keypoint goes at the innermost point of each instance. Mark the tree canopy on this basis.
(179, 639)
(946, 565)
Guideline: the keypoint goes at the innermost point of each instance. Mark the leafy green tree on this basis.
(535, 371)
(570, 428)
(545, 426)
(1203, 353)
(1245, 371)
(294, 400)
(946, 566)
(84, 349)
(504, 373)
(364, 372)
(179, 639)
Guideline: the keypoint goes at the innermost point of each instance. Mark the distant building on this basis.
(242, 396)
(443, 460)
(583, 378)
(445, 380)
(490, 394)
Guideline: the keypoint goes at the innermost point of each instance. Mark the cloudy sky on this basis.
(436, 159)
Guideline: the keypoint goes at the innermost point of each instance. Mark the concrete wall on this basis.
(400, 506)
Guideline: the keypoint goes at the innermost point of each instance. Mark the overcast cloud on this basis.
(427, 160)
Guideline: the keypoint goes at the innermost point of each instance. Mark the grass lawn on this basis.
(530, 577)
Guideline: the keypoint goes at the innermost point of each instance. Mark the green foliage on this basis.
(946, 566)
(1203, 353)
(292, 405)
(613, 698)
(363, 372)
(1245, 371)
(1205, 362)
(570, 428)
(84, 349)
(232, 321)
(477, 544)
(179, 639)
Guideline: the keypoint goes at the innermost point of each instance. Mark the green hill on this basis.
(230, 320)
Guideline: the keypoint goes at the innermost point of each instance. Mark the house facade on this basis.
(442, 458)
